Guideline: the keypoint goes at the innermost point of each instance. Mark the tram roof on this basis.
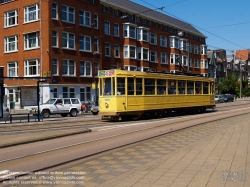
(179, 75)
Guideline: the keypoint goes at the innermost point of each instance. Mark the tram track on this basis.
(156, 128)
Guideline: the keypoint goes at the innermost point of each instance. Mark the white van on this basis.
(63, 106)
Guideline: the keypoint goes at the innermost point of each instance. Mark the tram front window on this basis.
(107, 86)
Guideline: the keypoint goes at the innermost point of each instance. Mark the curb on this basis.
(42, 139)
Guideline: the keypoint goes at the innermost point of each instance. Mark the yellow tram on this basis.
(142, 94)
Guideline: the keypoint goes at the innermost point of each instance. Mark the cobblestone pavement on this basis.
(210, 154)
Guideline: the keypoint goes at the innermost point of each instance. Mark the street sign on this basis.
(46, 73)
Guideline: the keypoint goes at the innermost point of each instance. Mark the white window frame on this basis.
(68, 40)
(164, 59)
(86, 18)
(54, 10)
(116, 30)
(96, 21)
(163, 41)
(9, 19)
(196, 63)
(84, 65)
(34, 13)
(107, 48)
(28, 67)
(190, 62)
(127, 51)
(130, 68)
(173, 58)
(12, 71)
(9, 44)
(153, 54)
(116, 51)
(107, 27)
(68, 14)
(142, 34)
(31, 41)
(128, 32)
(86, 40)
(153, 37)
(184, 61)
(203, 50)
(196, 49)
(67, 63)
(55, 66)
(54, 38)
(96, 69)
(141, 51)
(206, 64)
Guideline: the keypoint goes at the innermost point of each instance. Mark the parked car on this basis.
(95, 110)
(61, 106)
(6, 112)
(228, 98)
(219, 99)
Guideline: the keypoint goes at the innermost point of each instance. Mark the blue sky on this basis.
(227, 19)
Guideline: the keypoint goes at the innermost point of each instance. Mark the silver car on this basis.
(219, 99)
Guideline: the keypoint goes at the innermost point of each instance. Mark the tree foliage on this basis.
(228, 85)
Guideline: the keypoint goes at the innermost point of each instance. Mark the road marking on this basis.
(183, 117)
(4, 172)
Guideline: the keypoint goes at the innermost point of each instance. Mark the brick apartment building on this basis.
(71, 40)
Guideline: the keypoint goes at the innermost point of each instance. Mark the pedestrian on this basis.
(83, 108)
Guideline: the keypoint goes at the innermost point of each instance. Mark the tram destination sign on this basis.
(106, 73)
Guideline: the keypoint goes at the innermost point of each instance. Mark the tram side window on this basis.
(161, 87)
(205, 87)
(198, 87)
(181, 87)
(171, 86)
(149, 86)
(100, 86)
(107, 86)
(130, 86)
(138, 86)
(120, 86)
(190, 87)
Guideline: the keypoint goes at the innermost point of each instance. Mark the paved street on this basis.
(211, 154)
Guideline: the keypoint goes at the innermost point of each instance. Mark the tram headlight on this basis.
(106, 105)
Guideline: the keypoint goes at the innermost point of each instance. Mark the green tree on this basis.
(228, 85)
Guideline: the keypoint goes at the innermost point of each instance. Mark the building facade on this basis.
(69, 41)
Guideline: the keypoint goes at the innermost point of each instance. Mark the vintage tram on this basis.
(124, 94)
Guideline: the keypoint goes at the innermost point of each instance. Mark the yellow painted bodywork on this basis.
(115, 105)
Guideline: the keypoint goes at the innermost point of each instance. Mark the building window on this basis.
(85, 68)
(85, 43)
(54, 66)
(85, 94)
(11, 18)
(174, 59)
(196, 51)
(190, 62)
(12, 69)
(54, 11)
(107, 27)
(163, 41)
(68, 40)
(11, 44)
(31, 40)
(84, 18)
(31, 13)
(203, 50)
(163, 58)
(116, 29)
(32, 67)
(129, 31)
(142, 34)
(129, 51)
(107, 49)
(206, 64)
(54, 39)
(117, 51)
(96, 45)
(196, 63)
(153, 39)
(96, 68)
(184, 61)
(55, 93)
(96, 21)
(68, 14)
(68, 67)
(153, 56)
(68, 92)
(143, 53)
(174, 42)
(115, 12)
